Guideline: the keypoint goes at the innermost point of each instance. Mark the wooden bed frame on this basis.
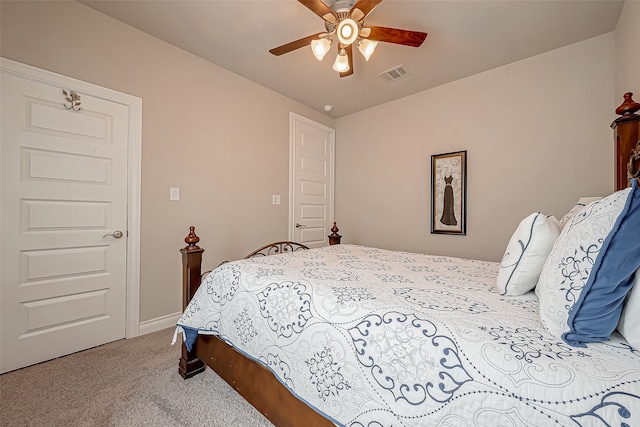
(256, 383)
(252, 380)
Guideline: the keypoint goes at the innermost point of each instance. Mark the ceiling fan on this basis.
(345, 23)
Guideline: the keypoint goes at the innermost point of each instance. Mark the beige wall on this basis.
(537, 138)
(223, 140)
(628, 51)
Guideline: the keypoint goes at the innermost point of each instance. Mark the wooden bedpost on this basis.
(189, 364)
(334, 237)
(627, 139)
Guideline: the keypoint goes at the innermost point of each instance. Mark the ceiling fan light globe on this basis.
(341, 64)
(347, 31)
(320, 48)
(367, 47)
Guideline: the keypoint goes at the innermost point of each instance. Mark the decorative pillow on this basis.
(526, 253)
(582, 202)
(589, 272)
(629, 325)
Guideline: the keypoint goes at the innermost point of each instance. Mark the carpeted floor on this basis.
(125, 383)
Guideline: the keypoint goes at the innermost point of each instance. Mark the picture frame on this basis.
(449, 193)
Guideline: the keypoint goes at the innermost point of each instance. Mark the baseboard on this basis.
(159, 323)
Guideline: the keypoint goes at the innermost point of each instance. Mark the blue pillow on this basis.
(589, 272)
(597, 311)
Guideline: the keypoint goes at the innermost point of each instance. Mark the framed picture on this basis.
(449, 193)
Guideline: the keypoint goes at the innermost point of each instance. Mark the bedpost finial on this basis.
(629, 106)
(334, 237)
(335, 228)
(192, 239)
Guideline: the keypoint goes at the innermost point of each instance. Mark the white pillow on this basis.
(590, 269)
(526, 253)
(629, 325)
(582, 202)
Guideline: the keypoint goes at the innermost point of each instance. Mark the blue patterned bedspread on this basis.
(370, 337)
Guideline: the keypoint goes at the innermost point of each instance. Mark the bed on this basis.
(359, 336)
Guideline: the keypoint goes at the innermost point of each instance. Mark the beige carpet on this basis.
(125, 383)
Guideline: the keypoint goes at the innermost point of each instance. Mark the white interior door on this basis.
(311, 187)
(64, 222)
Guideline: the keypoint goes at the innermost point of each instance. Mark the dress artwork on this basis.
(448, 216)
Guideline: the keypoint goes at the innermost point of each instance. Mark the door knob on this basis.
(117, 234)
(300, 225)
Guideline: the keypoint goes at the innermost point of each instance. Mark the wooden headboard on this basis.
(627, 139)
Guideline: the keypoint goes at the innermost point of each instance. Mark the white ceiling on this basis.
(464, 38)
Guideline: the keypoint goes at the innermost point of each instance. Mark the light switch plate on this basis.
(276, 199)
(174, 193)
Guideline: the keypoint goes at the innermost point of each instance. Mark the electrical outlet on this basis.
(276, 199)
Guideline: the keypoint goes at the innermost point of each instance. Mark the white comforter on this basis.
(371, 337)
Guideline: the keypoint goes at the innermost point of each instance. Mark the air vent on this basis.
(393, 74)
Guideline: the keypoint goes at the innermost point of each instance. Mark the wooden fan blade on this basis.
(349, 51)
(394, 35)
(320, 9)
(286, 48)
(362, 8)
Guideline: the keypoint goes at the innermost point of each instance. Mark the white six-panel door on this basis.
(311, 183)
(64, 223)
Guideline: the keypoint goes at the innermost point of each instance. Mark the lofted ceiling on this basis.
(464, 38)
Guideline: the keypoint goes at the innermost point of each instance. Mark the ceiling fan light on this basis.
(347, 31)
(342, 62)
(366, 48)
(320, 48)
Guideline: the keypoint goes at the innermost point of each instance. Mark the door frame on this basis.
(294, 119)
(134, 161)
